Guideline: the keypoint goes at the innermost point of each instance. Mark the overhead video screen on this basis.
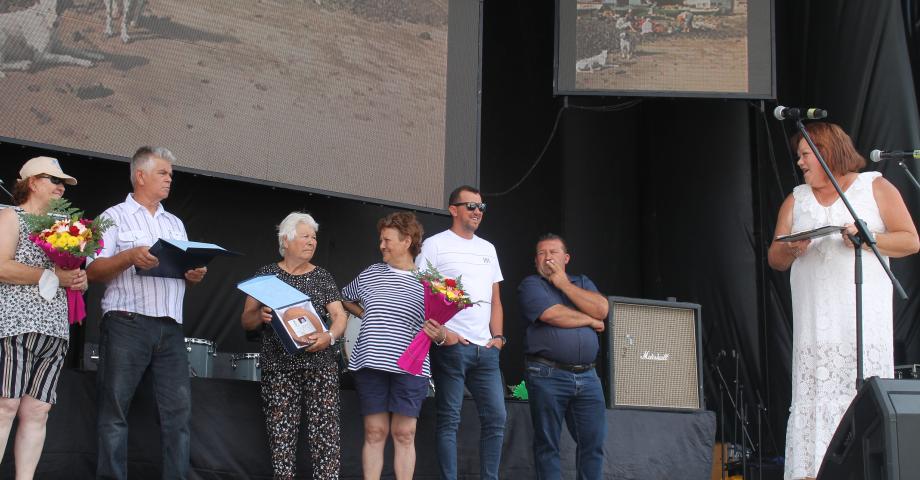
(368, 99)
(703, 48)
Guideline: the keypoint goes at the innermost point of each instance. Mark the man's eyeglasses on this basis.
(53, 180)
(471, 206)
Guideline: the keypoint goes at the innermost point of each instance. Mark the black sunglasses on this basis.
(53, 180)
(471, 206)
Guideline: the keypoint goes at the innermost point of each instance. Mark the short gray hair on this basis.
(143, 158)
(287, 229)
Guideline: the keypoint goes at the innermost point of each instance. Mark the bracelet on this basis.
(441, 342)
(503, 338)
(332, 336)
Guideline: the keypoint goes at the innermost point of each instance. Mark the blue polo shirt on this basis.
(564, 345)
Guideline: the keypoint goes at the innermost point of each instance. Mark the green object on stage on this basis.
(519, 391)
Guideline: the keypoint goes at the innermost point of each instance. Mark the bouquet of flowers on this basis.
(444, 297)
(68, 239)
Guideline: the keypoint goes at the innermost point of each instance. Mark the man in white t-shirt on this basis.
(469, 345)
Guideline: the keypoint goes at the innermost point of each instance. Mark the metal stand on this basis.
(740, 420)
(911, 176)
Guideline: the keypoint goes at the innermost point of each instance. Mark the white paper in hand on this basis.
(48, 285)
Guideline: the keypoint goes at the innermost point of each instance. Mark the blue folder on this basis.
(279, 296)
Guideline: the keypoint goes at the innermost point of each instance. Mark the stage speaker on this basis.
(652, 355)
(878, 436)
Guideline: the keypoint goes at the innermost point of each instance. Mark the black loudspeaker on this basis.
(652, 355)
(878, 436)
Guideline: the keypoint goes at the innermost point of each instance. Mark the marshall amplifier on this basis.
(651, 355)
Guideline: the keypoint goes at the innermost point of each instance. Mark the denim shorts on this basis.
(380, 392)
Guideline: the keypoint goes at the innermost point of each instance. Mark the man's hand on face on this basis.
(553, 272)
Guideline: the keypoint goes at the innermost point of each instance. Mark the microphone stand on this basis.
(739, 418)
(911, 176)
(863, 236)
(7, 192)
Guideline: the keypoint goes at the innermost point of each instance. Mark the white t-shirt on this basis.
(476, 263)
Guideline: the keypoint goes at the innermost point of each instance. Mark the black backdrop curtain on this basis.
(658, 198)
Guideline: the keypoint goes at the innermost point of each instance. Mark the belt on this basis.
(570, 367)
(125, 314)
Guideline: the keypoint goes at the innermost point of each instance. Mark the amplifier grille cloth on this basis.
(654, 356)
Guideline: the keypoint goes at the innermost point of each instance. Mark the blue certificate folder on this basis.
(179, 256)
(279, 296)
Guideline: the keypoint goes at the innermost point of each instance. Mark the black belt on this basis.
(125, 314)
(570, 367)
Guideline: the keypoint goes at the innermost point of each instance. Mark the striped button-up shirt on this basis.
(135, 227)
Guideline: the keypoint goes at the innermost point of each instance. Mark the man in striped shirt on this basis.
(142, 321)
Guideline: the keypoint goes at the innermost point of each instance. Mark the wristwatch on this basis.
(503, 338)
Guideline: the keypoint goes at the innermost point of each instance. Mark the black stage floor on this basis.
(229, 442)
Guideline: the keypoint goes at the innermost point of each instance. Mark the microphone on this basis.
(878, 155)
(788, 113)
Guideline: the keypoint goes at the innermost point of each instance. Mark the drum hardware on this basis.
(201, 355)
(245, 366)
(909, 372)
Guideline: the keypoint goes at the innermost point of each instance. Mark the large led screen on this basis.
(705, 48)
(368, 99)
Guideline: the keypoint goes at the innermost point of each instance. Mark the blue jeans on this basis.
(578, 398)
(477, 368)
(129, 344)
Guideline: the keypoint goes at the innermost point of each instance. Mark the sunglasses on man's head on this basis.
(53, 180)
(471, 206)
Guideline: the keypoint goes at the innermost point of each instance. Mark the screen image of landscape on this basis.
(706, 48)
(373, 100)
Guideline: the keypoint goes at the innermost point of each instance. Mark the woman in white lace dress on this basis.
(823, 291)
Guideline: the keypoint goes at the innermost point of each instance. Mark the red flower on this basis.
(74, 230)
(450, 282)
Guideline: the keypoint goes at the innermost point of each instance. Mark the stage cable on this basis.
(768, 279)
(552, 135)
(771, 151)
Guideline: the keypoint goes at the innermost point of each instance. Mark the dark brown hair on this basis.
(407, 225)
(552, 236)
(835, 146)
(455, 195)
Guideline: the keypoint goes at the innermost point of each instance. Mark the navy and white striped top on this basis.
(394, 310)
(135, 227)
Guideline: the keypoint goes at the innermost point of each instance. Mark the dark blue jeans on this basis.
(578, 399)
(129, 344)
(476, 367)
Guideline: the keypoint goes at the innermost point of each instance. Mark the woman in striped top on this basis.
(390, 301)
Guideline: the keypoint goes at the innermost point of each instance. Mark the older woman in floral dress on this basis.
(305, 383)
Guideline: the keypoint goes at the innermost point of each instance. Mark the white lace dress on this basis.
(824, 324)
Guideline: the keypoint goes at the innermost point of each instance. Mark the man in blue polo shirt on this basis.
(564, 313)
